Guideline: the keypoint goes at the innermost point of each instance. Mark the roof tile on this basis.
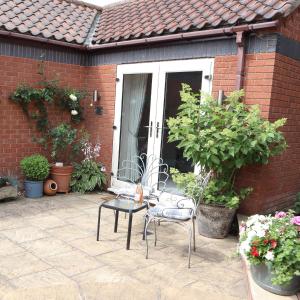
(45, 17)
(71, 20)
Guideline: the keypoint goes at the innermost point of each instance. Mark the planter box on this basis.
(7, 192)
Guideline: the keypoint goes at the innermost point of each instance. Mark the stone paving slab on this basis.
(48, 250)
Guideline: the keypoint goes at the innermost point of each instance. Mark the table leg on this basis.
(129, 231)
(98, 226)
(116, 221)
(144, 233)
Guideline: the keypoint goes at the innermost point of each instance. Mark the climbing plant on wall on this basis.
(35, 101)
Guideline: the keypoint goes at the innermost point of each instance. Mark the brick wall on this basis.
(103, 79)
(273, 82)
(15, 131)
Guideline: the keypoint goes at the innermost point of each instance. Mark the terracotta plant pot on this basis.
(263, 277)
(214, 221)
(62, 176)
(50, 187)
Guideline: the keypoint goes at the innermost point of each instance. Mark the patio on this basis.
(48, 250)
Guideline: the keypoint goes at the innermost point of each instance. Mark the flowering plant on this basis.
(273, 240)
(89, 174)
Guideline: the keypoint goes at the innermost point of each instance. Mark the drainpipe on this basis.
(240, 41)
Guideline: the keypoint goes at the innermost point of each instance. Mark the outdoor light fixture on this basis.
(96, 99)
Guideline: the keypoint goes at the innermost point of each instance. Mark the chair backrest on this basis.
(202, 181)
(148, 170)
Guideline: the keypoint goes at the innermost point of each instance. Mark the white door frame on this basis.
(158, 71)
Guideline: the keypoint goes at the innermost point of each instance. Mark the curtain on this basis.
(134, 94)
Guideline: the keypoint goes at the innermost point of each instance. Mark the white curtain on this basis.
(134, 93)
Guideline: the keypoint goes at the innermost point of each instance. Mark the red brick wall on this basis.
(103, 79)
(15, 130)
(273, 82)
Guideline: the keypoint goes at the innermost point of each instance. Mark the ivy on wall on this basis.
(35, 102)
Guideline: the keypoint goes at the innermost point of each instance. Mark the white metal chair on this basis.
(150, 171)
(181, 212)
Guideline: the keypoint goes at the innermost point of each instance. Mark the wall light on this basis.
(96, 99)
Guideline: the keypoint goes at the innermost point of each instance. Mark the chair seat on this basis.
(128, 191)
(174, 213)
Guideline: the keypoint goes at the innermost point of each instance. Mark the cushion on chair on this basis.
(128, 191)
(170, 213)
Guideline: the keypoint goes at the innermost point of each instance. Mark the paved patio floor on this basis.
(48, 250)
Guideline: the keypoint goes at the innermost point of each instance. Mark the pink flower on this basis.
(280, 214)
(295, 220)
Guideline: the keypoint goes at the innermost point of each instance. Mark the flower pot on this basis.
(62, 176)
(263, 277)
(50, 187)
(33, 189)
(214, 221)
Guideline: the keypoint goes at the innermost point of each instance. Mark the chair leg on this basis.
(194, 235)
(146, 237)
(190, 246)
(98, 224)
(155, 233)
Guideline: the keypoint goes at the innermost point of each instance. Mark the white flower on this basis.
(269, 255)
(260, 233)
(245, 247)
(74, 112)
(73, 97)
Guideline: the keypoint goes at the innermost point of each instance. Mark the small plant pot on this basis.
(62, 176)
(262, 276)
(33, 189)
(50, 187)
(214, 221)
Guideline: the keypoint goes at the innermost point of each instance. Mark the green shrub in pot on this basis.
(35, 169)
(223, 139)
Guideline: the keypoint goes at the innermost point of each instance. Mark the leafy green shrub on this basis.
(224, 138)
(65, 142)
(87, 177)
(35, 167)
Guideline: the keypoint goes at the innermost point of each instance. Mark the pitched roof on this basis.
(76, 22)
(145, 18)
(60, 20)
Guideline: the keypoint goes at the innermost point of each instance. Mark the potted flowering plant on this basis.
(65, 143)
(271, 245)
(88, 174)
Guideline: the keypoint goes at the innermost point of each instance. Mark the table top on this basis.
(124, 204)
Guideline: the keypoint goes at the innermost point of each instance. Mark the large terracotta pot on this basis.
(214, 221)
(62, 176)
(263, 277)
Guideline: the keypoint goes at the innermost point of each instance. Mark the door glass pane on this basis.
(136, 101)
(170, 154)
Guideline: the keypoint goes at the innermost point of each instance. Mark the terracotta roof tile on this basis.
(66, 20)
(71, 20)
(182, 15)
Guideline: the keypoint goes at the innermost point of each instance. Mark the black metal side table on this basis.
(125, 205)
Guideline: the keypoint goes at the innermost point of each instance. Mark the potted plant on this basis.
(222, 139)
(65, 143)
(271, 244)
(35, 169)
(88, 174)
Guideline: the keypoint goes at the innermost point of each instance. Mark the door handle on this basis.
(157, 129)
(150, 128)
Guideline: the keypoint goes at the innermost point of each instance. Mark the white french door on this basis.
(147, 94)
